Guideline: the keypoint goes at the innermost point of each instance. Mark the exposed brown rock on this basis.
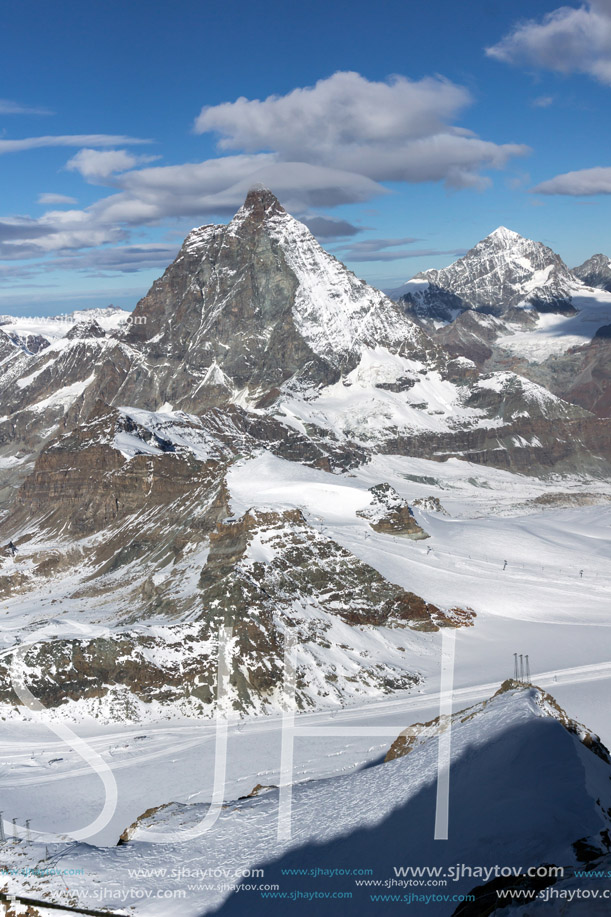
(389, 514)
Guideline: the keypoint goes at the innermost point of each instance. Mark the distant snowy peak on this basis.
(595, 272)
(504, 236)
(501, 273)
(35, 333)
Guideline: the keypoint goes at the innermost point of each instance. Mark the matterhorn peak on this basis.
(260, 204)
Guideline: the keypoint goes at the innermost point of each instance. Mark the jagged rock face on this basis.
(83, 483)
(390, 514)
(595, 272)
(119, 461)
(580, 375)
(501, 272)
(33, 343)
(250, 305)
(511, 397)
(60, 388)
(110, 505)
(84, 330)
(541, 446)
(584, 376)
(431, 505)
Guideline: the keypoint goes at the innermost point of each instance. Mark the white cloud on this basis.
(400, 130)
(199, 190)
(567, 40)
(127, 259)
(370, 246)
(320, 147)
(98, 165)
(542, 102)
(324, 227)
(20, 228)
(8, 107)
(582, 182)
(389, 250)
(56, 230)
(50, 198)
(33, 143)
(219, 186)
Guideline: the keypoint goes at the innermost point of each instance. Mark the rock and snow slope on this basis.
(35, 333)
(518, 766)
(256, 314)
(247, 453)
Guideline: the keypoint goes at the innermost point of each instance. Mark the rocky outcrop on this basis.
(85, 329)
(83, 483)
(472, 335)
(8, 347)
(266, 575)
(272, 560)
(390, 514)
(431, 505)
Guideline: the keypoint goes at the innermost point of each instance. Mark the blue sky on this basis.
(402, 132)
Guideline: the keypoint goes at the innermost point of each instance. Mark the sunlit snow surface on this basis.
(555, 334)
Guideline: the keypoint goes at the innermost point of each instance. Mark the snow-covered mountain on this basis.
(530, 788)
(271, 450)
(249, 307)
(118, 450)
(511, 303)
(595, 272)
(502, 273)
(34, 334)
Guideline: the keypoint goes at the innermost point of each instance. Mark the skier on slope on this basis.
(12, 548)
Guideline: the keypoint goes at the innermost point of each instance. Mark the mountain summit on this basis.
(503, 272)
(595, 272)
(247, 306)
